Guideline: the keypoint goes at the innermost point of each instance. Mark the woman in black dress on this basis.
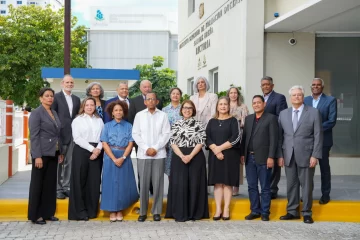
(187, 195)
(44, 125)
(86, 164)
(223, 138)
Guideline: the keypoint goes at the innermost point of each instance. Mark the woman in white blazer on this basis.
(204, 101)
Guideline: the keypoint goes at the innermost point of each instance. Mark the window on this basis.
(2, 2)
(190, 84)
(19, 2)
(2, 11)
(191, 7)
(32, 3)
(337, 62)
(214, 80)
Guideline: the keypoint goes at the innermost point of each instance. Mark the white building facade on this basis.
(240, 41)
(123, 38)
(120, 39)
(4, 4)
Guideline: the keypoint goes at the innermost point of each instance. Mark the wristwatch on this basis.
(124, 157)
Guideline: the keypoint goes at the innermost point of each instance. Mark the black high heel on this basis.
(217, 218)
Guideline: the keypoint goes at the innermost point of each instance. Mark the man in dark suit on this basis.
(275, 103)
(137, 103)
(258, 148)
(327, 106)
(67, 107)
(123, 92)
(300, 147)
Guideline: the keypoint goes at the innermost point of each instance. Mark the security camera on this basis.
(292, 41)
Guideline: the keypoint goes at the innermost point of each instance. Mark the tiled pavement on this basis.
(172, 230)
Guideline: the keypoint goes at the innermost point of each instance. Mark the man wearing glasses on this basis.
(151, 132)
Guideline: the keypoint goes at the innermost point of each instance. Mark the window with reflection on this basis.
(337, 62)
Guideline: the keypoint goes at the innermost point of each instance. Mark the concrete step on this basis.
(334, 211)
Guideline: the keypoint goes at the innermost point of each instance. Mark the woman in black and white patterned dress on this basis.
(187, 195)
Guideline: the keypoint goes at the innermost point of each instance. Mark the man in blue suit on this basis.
(327, 106)
(123, 92)
(275, 103)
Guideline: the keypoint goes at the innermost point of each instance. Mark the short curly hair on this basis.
(110, 107)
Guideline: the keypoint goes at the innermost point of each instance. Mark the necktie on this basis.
(295, 119)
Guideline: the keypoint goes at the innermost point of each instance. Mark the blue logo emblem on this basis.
(99, 16)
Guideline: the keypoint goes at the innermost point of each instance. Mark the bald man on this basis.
(137, 103)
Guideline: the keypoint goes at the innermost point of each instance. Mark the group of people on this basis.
(201, 142)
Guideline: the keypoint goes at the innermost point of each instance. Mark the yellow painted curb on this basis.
(337, 211)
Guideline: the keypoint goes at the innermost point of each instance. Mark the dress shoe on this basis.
(252, 216)
(142, 218)
(265, 218)
(40, 222)
(274, 195)
(217, 218)
(308, 219)
(60, 195)
(226, 218)
(289, 216)
(324, 200)
(84, 219)
(52, 218)
(156, 217)
(67, 193)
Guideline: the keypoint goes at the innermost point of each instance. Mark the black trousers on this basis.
(42, 193)
(84, 184)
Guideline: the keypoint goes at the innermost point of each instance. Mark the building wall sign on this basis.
(200, 37)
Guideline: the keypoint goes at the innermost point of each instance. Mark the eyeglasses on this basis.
(150, 99)
(188, 108)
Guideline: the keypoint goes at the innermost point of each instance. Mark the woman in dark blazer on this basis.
(44, 125)
(96, 91)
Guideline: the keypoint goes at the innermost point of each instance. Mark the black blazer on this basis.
(276, 103)
(61, 107)
(265, 137)
(137, 105)
(44, 133)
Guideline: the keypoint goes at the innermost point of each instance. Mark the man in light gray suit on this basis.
(300, 147)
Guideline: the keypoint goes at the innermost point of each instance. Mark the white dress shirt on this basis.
(301, 108)
(124, 99)
(87, 129)
(69, 101)
(266, 97)
(315, 102)
(151, 131)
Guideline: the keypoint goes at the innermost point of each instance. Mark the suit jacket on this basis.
(44, 132)
(306, 141)
(209, 107)
(61, 107)
(275, 103)
(328, 109)
(265, 137)
(136, 105)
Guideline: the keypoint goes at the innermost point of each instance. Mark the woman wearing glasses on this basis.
(187, 195)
